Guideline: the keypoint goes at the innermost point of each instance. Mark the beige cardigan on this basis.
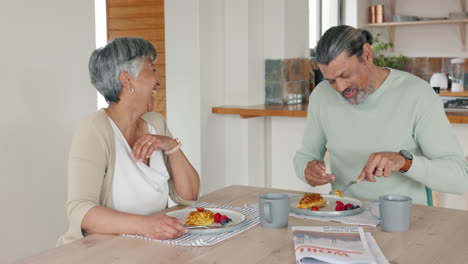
(91, 169)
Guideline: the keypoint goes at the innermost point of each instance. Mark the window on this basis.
(101, 37)
(323, 14)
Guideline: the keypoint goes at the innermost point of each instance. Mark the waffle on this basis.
(196, 218)
(311, 199)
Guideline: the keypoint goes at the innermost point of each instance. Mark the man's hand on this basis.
(315, 174)
(381, 164)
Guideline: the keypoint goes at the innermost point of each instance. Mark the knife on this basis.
(348, 185)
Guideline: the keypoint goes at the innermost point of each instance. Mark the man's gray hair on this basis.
(121, 54)
(341, 38)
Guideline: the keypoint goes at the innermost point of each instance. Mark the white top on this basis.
(137, 188)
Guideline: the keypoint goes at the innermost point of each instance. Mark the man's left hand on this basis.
(381, 164)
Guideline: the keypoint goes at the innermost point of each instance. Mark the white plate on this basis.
(329, 209)
(238, 220)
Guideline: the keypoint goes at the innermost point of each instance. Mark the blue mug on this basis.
(395, 212)
(273, 210)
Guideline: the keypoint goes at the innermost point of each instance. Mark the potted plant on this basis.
(379, 47)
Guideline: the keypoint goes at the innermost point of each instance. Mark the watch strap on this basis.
(407, 165)
(176, 148)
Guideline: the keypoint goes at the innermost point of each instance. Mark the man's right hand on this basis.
(315, 174)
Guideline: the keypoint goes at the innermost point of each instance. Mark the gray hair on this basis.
(341, 38)
(119, 55)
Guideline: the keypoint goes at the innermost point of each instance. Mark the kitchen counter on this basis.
(449, 93)
(300, 110)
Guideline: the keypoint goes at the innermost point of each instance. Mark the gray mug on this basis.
(395, 212)
(273, 210)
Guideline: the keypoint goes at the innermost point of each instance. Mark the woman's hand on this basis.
(147, 144)
(161, 226)
(381, 164)
(315, 174)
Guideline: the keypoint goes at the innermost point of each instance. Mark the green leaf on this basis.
(378, 47)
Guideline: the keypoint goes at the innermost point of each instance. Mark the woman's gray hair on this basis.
(121, 54)
(341, 38)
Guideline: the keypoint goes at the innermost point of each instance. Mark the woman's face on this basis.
(146, 84)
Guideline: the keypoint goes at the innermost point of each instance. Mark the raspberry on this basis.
(339, 202)
(223, 217)
(217, 218)
(200, 209)
(348, 206)
(314, 208)
(339, 207)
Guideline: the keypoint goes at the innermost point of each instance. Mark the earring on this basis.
(131, 90)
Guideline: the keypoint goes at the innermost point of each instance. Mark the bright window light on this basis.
(323, 14)
(101, 37)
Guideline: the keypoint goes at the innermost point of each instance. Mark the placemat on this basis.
(252, 219)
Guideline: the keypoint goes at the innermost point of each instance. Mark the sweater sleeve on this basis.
(313, 141)
(441, 166)
(87, 166)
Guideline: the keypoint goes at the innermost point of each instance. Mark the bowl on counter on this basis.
(404, 18)
(431, 18)
(458, 15)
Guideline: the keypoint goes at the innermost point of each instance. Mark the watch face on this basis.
(406, 154)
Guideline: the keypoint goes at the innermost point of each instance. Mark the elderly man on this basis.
(376, 122)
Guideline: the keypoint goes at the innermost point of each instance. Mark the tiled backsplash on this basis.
(295, 77)
(285, 77)
(424, 67)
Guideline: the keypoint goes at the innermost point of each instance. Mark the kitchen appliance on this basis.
(439, 79)
(457, 74)
(456, 103)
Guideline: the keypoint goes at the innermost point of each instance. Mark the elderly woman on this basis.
(124, 162)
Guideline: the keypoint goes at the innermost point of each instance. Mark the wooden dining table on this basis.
(436, 235)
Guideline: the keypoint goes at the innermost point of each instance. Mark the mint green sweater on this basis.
(404, 113)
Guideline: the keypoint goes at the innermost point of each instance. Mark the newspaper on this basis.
(332, 244)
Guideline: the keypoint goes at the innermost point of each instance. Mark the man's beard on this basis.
(360, 96)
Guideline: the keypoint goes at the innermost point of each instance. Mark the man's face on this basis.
(350, 76)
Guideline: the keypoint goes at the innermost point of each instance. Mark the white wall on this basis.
(45, 91)
(183, 93)
(286, 137)
(225, 42)
(212, 67)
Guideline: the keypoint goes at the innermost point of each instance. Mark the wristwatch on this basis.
(176, 148)
(409, 160)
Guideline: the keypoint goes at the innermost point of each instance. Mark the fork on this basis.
(351, 183)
